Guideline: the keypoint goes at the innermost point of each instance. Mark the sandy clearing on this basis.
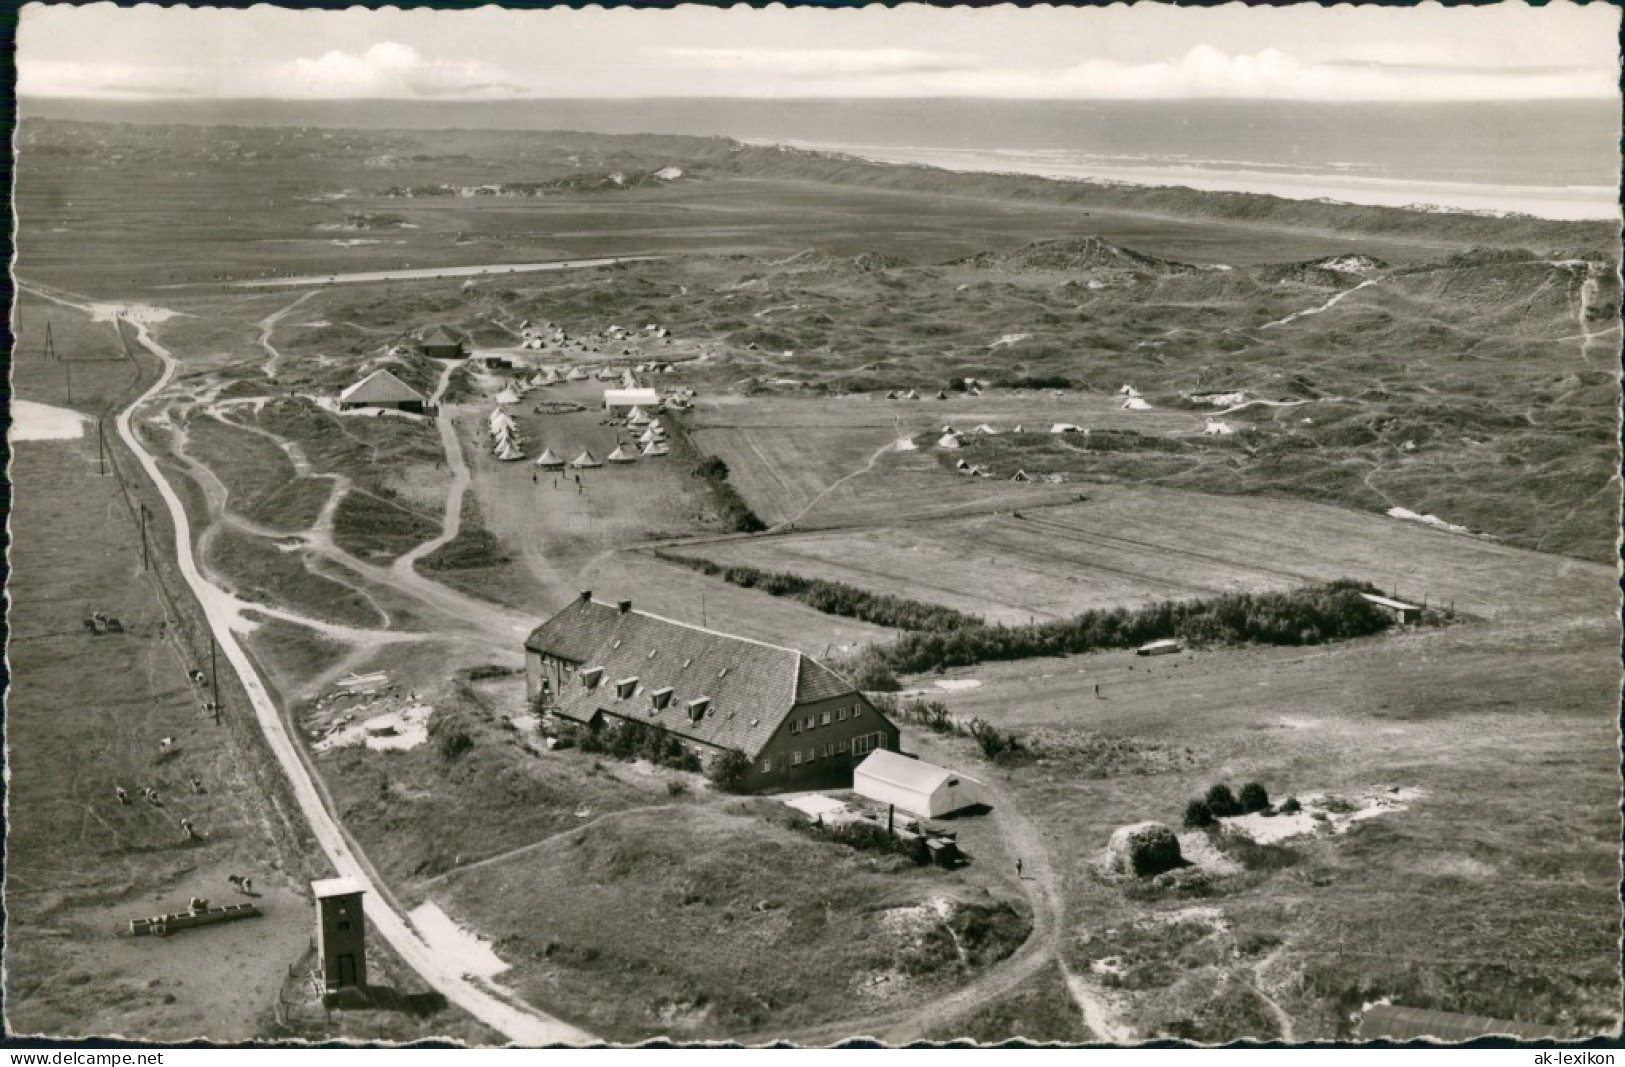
(31, 421)
(453, 944)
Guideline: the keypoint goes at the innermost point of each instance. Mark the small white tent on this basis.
(585, 460)
(914, 786)
(621, 455)
(948, 440)
(548, 461)
(655, 448)
(1135, 403)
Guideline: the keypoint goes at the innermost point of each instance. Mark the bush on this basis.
(1144, 849)
(1198, 815)
(454, 743)
(1253, 797)
(1221, 802)
(676, 787)
(729, 770)
(1290, 806)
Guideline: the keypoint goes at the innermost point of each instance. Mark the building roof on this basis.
(1399, 1023)
(379, 387)
(440, 335)
(1387, 602)
(751, 685)
(631, 397)
(335, 887)
(905, 773)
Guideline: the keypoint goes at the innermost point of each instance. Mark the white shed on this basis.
(624, 400)
(914, 786)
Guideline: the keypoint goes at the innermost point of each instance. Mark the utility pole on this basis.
(145, 560)
(214, 678)
(50, 345)
(101, 449)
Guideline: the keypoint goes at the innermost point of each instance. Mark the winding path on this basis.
(517, 1024)
(1327, 306)
(452, 522)
(268, 326)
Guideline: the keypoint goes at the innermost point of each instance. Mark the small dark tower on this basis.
(341, 933)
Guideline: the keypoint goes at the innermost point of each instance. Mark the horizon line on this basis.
(39, 98)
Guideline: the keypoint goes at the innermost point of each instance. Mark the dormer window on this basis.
(591, 677)
(697, 708)
(660, 698)
(625, 688)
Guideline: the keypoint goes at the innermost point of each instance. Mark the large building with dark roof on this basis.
(798, 723)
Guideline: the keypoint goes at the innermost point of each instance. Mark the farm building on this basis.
(441, 343)
(1394, 1022)
(915, 786)
(381, 389)
(1400, 610)
(798, 723)
(621, 401)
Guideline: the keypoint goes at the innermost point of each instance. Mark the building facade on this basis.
(341, 933)
(798, 723)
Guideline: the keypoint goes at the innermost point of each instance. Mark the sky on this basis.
(1503, 51)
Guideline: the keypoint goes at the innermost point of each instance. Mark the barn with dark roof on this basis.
(798, 723)
(442, 343)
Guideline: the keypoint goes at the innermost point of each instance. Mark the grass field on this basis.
(735, 938)
(84, 714)
(1500, 873)
(1133, 545)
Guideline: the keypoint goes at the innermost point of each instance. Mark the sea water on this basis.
(1554, 159)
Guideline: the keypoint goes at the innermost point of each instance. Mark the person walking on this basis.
(1018, 866)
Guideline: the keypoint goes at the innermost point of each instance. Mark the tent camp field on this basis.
(785, 453)
(1129, 545)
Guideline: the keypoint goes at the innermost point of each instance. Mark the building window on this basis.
(795, 758)
(841, 746)
(795, 726)
(825, 721)
(807, 724)
(840, 714)
(767, 766)
(856, 708)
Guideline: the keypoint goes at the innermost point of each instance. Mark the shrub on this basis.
(1290, 806)
(1144, 849)
(454, 742)
(676, 787)
(1198, 815)
(728, 771)
(1253, 797)
(1222, 802)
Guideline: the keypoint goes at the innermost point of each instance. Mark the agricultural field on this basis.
(1131, 545)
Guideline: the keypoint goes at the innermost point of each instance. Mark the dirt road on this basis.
(521, 1026)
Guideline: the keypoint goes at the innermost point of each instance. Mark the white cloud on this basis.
(820, 63)
(386, 70)
(1207, 72)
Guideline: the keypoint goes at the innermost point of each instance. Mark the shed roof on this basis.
(1388, 602)
(1400, 1023)
(440, 335)
(631, 397)
(751, 685)
(335, 887)
(379, 387)
(904, 772)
